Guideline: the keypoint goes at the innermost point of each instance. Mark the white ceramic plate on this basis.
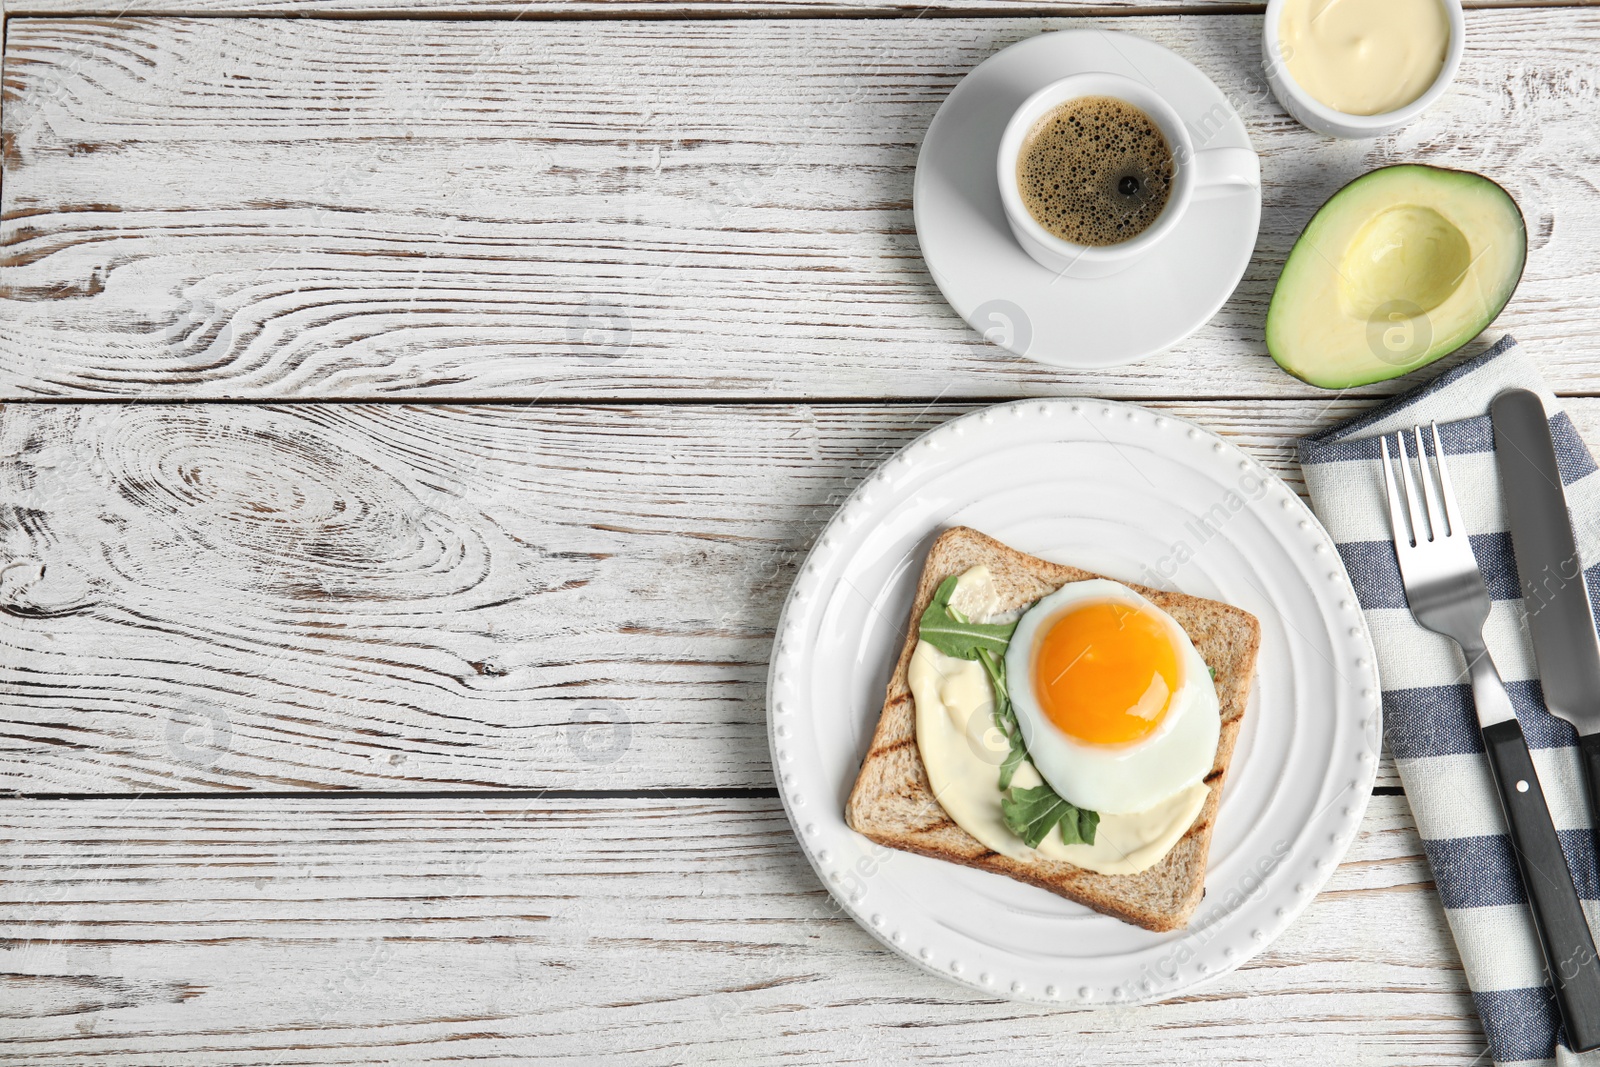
(1139, 496)
(1025, 308)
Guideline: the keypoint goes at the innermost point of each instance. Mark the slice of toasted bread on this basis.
(893, 804)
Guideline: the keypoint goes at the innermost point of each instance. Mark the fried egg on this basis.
(1117, 709)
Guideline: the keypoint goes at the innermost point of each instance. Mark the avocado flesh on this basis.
(1399, 268)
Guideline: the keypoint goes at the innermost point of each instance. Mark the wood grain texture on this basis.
(267, 208)
(248, 932)
(516, 10)
(244, 597)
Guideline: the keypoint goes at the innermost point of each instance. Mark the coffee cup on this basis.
(1198, 172)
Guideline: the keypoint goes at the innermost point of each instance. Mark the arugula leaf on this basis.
(949, 631)
(1005, 717)
(1032, 813)
(1029, 813)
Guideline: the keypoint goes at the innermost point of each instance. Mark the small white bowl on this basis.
(1315, 115)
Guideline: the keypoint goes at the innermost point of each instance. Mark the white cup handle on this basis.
(1217, 170)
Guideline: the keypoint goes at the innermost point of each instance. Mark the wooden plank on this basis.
(515, 10)
(239, 597)
(265, 208)
(611, 9)
(269, 932)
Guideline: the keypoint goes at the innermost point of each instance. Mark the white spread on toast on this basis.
(962, 750)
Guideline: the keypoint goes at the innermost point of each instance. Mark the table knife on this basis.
(1560, 618)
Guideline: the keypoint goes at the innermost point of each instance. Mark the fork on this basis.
(1446, 592)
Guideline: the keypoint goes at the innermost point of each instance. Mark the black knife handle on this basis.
(1589, 753)
(1569, 953)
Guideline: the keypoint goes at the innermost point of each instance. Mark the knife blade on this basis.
(1560, 618)
(1555, 595)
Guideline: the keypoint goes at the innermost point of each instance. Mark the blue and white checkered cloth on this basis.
(1429, 720)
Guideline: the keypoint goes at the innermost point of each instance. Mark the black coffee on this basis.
(1095, 171)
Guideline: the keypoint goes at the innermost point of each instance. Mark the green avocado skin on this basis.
(1365, 194)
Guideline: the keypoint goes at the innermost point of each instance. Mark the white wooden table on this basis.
(413, 419)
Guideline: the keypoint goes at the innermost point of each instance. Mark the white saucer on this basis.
(1028, 309)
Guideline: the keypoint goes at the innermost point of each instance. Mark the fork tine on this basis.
(1408, 487)
(1430, 494)
(1452, 513)
(1401, 538)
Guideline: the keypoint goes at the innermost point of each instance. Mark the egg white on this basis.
(1116, 779)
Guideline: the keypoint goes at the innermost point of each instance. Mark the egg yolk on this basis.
(1105, 672)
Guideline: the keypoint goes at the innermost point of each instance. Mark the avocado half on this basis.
(1402, 266)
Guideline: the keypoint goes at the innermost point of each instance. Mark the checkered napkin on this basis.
(1429, 720)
